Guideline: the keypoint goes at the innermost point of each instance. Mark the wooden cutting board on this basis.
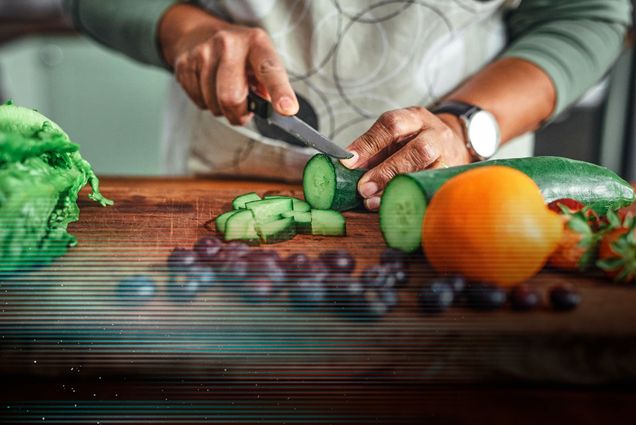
(67, 319)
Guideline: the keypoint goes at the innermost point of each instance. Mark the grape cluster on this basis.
(259, 275)
(440, 294)
(327, 282)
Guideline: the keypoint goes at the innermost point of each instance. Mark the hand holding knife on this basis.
(295, 127)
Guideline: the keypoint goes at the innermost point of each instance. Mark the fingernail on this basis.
(368, 189)
(350, 162)
(373, 203)
(287, 105)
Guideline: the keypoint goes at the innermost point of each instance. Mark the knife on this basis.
(295, 127)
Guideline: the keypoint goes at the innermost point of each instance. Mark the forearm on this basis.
(123, 25)
(182, 19)
(558, 50)
(518, 93)
(573, 41)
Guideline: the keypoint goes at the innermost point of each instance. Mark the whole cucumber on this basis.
(597, 187)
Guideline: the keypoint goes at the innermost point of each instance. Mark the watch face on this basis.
(483, 133)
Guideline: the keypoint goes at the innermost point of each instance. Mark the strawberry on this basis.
(577, 248)
(568, 206)
(617, 250)
(571, 204)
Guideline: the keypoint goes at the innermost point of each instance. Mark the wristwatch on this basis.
(481, 129)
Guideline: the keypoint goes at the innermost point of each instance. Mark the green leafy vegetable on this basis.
(41, 174)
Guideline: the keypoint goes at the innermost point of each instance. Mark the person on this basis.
(405, 85)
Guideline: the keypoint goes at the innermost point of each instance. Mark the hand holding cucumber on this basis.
(404, 141)
(215, 62)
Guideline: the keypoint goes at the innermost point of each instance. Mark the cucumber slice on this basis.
(221, 220)
(297, 204)
(269, 209)
(277, 231)
(327, 223)
(302, 220)
(241, 226)
(239, 202)
(327, 184)
(401, 214)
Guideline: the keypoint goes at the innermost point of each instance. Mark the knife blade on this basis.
(295, 127)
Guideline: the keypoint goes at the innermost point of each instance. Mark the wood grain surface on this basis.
(66, 319)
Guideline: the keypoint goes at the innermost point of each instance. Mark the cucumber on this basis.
(302, 220)
(268, 210)
(401, 215)
(297, 204)
(221, 220)
(239, 202)
(277, 231)
(327, 223)
(301, 206)
(404, 199)
(329, 185)
(241, 226)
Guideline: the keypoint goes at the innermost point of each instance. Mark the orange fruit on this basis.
(490, 224)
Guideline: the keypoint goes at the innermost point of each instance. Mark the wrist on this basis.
(455, 124)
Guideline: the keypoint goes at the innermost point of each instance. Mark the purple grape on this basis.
(378, 300)
(375, 276)
(185, 285)
(297, 264)
(207, 249)
(394, 256)
(339, 261)
(230, 252)
(564, 298)
(436, 297)
(268, 254)
(384, 276)
(398, 275)
(310, 291)
(457, 283)
(265, 277)
(181, 259)
(350, 297)
(136, 289)
(484, 296)
(182, 287)
(205, 275)
(234, 273)
(344, 290)
(524, 298)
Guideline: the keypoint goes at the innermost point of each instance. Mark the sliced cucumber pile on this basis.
(297, 204)
(241, 226)
(327, 223)
(240, 201)
(222, 219)
(302, 220)
(269, 209)
(275, 219)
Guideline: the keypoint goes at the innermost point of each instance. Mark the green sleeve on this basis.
(573, 41)
(129, 26)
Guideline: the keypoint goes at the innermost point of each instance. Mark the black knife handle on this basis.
(258, 105)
